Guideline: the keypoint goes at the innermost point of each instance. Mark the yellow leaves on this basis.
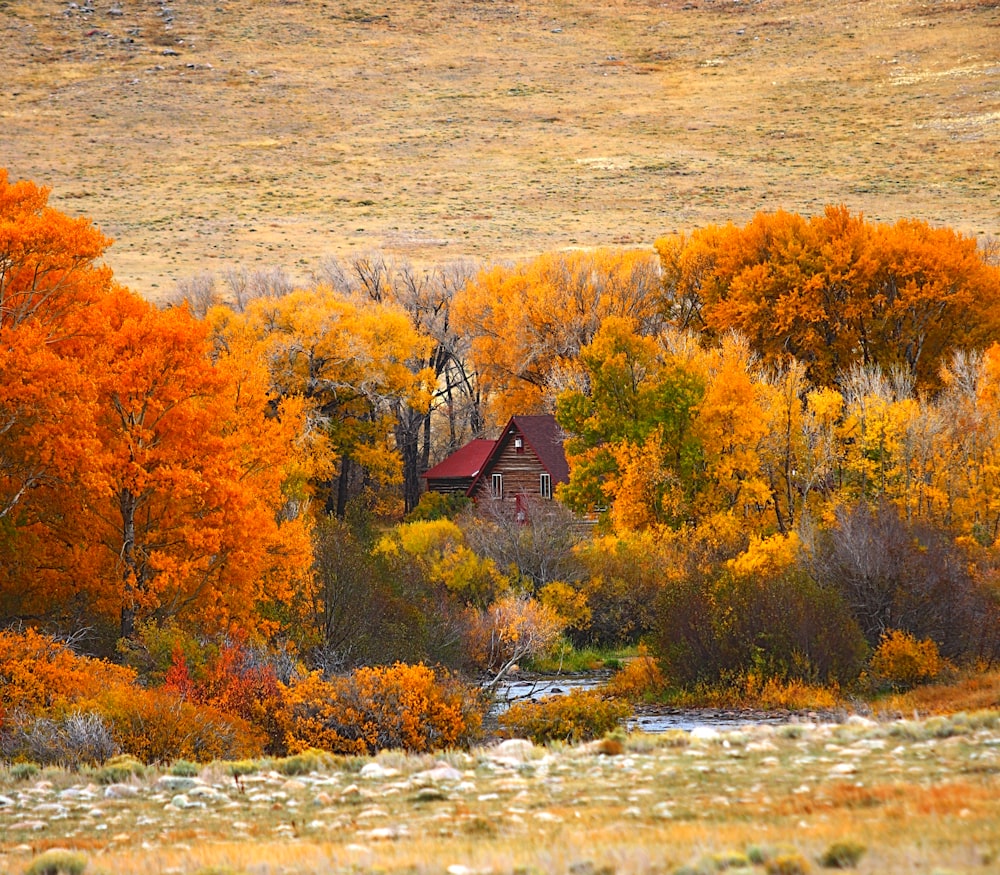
(528, 322)
(401, 706)
(767, 557)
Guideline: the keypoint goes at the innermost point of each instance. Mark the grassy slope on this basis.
(282, 130)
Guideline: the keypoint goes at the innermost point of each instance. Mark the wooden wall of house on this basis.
(521, 475)
(459, 485)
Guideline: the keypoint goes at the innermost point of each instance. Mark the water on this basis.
(647, 718)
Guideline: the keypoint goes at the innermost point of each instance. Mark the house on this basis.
(525, 463)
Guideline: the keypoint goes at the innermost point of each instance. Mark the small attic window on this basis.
(519, 444)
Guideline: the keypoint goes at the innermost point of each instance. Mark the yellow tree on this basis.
(731, 426)
(630, 436)
(528, 322)
(349, 363)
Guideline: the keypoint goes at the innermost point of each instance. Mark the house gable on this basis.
(527, 461)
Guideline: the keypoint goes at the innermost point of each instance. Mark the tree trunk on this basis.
(131, 571)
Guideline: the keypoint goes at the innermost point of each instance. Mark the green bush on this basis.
(581, 715)
(842, 855)
(184, 769)
(120, 769)
(23, 771)
(57, 861)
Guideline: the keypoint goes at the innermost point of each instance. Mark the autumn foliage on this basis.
(406, 707)
(783, 437)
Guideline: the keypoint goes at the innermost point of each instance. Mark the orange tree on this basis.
(834, 288)
(161, 492)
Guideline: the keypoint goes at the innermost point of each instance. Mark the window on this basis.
(545, 485)
(497, 486)
(519, 444)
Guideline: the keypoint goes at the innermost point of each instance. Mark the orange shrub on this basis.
(580, 715)
(39, 674)
(902, 662)
(399, 706)
(239, 685)
(159, 726)
(640, 679)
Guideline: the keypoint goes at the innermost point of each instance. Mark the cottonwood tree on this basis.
(426, 297)
(834, 289)
(528, 322)
(351, 366)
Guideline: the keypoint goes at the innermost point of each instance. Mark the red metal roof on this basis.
(464, 462)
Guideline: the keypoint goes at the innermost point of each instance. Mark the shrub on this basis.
(901, 662)
(40, 675)
(156, 726)
(787, 864)
(640, 680)
(71, 740)
(781, 625)
(184, 769)
(842, 855)
(400, 706)
(581, 715)
(23, 771)
(120, 769)
(240, 683)
(311, 760)
(57, 861)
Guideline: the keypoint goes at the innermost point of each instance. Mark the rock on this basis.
(6, 802)
(442, 772)
(121, 791)
(292, 786)
(429, 794)
(177, 783)
(376, 772)
(844, 769)
(704, 733)
(516, 750)
(26, 825)
(181, 801)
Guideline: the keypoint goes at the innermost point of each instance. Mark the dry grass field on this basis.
(903, 797)
(203, 134)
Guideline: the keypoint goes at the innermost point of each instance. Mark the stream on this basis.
(648, 718)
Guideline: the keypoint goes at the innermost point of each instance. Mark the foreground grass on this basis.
(892, 797)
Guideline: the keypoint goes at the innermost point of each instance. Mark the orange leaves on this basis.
(46, 257)
(833, 288)
(145, 480)
(399, 706)
(39, 674)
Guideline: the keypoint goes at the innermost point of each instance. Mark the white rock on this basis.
(377, 772)
(6, 802)
(844, 769)
(182, 801)
(177, 782)
(121, 791)
(33, 825)
(704, 733)
(442, 772)
(516, 750)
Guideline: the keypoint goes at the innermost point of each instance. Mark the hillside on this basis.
(203, 135)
